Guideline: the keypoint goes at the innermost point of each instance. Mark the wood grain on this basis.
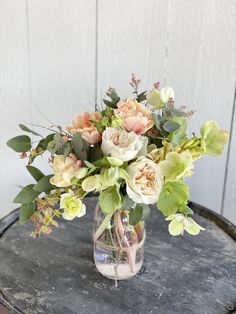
(56, 274)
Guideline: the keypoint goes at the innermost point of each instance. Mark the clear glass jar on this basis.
(118, 246)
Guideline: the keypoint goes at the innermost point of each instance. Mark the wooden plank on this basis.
(14, 97)
(131, 38)
(56, 274)
(229, 201)
(201, 68)
(62, 53)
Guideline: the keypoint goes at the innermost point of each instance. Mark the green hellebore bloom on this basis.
(110, 200)
(109, 177)
(177, 165)
(81, 173)
(174, 197)
(179, 223)
(91, 183)
(113, 161)
(72, 205)
(213, 138)
(154, 98)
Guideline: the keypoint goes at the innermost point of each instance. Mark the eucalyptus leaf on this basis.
(128, 203)
(77, 143)
(141, 96)
(35, 172)
(20, 144)
(109, 103)
(135, 215)
(26, 129)
(26, 211)
(43, 185)
(26, 195)
(44, 142)
(170, 126)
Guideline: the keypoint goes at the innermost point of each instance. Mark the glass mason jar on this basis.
(118, 246)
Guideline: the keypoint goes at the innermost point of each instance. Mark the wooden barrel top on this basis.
(56, 273)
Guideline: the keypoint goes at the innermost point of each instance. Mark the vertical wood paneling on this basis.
(201, 68)
(229, 200)
(131, 38)
(62, 53)
(14, 97)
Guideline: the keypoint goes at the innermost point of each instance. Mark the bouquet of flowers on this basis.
(133, 152)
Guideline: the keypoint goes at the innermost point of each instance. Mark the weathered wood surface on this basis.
(56, 274)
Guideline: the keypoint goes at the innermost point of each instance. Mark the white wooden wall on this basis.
(59, 56)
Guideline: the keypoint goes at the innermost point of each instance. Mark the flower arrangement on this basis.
(133, 152)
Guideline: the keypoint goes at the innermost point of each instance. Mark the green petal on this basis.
(177, 165)
(153, 97)
(192, 227)
(90, 184)
(176, 227)
(173, 197)
(213, 138)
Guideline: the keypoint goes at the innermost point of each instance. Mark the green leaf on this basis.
(26, 211)
(21, 143)
(110, 200)
(187, 210)
(26, 195)
(44, 142)
(67, 149)
(135, 215)
(26, 129)
(43, 185)
(174, 196)
(170, 126)
(109, 103)
(177, 136)
(141, 96)
(35, 172)
(79, 146)
(128, 203)
(146, 212)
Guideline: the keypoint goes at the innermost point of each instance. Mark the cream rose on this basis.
(123, 145)
(64, 170)
(145, 182)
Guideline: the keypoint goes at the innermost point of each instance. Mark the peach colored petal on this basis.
(137, 118)
(82, 124)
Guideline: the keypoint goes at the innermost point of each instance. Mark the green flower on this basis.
(177, 165)
(153, 97)
(72, 205)
(109, 177)
(213, 138)
(179, 223)
(91, 183)
(174, 197)
(158, 98)
(117, 121)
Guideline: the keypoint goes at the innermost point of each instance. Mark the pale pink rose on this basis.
(82, 124)
(64, 169)
(136, 117)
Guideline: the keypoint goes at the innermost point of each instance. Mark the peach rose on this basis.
(136, 117)
(64, 170)
(82, 124)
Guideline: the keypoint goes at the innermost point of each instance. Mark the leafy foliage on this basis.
(21, 143)
(26, 195)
